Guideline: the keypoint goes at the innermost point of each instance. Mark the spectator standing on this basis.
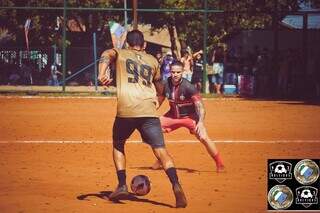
(54, 75)
(165, 65)
(26, 70)
(196, 79)
(218, 68)
(187, 62)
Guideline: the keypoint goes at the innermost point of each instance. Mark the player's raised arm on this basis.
(104, 66)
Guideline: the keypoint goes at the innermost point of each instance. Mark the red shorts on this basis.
(169, 124)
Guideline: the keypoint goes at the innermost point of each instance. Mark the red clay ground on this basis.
(77, 177)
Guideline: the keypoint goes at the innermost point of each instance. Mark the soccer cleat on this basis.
(121, 192)
(181, 201)
(220, 168)
(219, 163)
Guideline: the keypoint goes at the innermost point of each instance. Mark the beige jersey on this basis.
(136, 93)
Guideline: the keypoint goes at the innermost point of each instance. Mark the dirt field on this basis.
(55, 155)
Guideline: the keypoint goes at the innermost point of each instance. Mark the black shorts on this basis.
(196, 77)
(149, 128)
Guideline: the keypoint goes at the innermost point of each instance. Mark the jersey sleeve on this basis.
(193, 92)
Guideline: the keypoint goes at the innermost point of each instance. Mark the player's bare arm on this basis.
(161, 98)
(104, 66)
(160, 89)
(200, 129)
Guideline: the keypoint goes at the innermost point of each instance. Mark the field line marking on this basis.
(167, 141)
(57, 97)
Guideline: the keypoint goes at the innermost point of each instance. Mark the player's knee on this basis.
(160, 152)
(119, 145)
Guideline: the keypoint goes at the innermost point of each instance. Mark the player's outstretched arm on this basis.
(104, 66)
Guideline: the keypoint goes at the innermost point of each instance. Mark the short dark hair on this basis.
(176, 63)
(135, 38)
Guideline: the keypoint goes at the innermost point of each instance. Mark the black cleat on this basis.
(181, 201)
(120, 193)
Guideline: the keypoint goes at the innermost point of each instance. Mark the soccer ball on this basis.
(280, 169)
(306, 194)
(140, 185)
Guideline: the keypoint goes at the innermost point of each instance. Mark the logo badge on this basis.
(306, 172)
(280, 171)
(280, 197)
(306, 196)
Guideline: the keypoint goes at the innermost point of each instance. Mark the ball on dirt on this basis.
(140, 185)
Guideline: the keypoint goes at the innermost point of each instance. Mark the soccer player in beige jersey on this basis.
(138, 83)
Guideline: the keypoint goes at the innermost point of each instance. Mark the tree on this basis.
(44, 21)
(236, 15)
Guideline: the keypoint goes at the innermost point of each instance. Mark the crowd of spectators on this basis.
(287, 74)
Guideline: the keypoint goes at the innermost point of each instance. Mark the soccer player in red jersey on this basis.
(186, 110)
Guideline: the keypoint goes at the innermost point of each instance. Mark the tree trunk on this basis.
(173, 40)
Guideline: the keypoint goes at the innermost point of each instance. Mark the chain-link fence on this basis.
(265, 53)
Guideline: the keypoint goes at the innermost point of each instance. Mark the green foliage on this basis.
(238, 15)
(244, 14)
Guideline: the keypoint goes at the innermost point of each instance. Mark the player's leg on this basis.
(211, 84)
(190, 123)
(151, 134)
(211, 149)
(122, 129)
(218, 83)
(214, 81)
(168, 124)
(168, 166)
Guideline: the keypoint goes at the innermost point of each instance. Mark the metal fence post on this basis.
(205, 32)
(64, 56)
(95, 61)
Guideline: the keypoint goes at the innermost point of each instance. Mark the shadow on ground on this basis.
(178, 168)
(105, 196)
